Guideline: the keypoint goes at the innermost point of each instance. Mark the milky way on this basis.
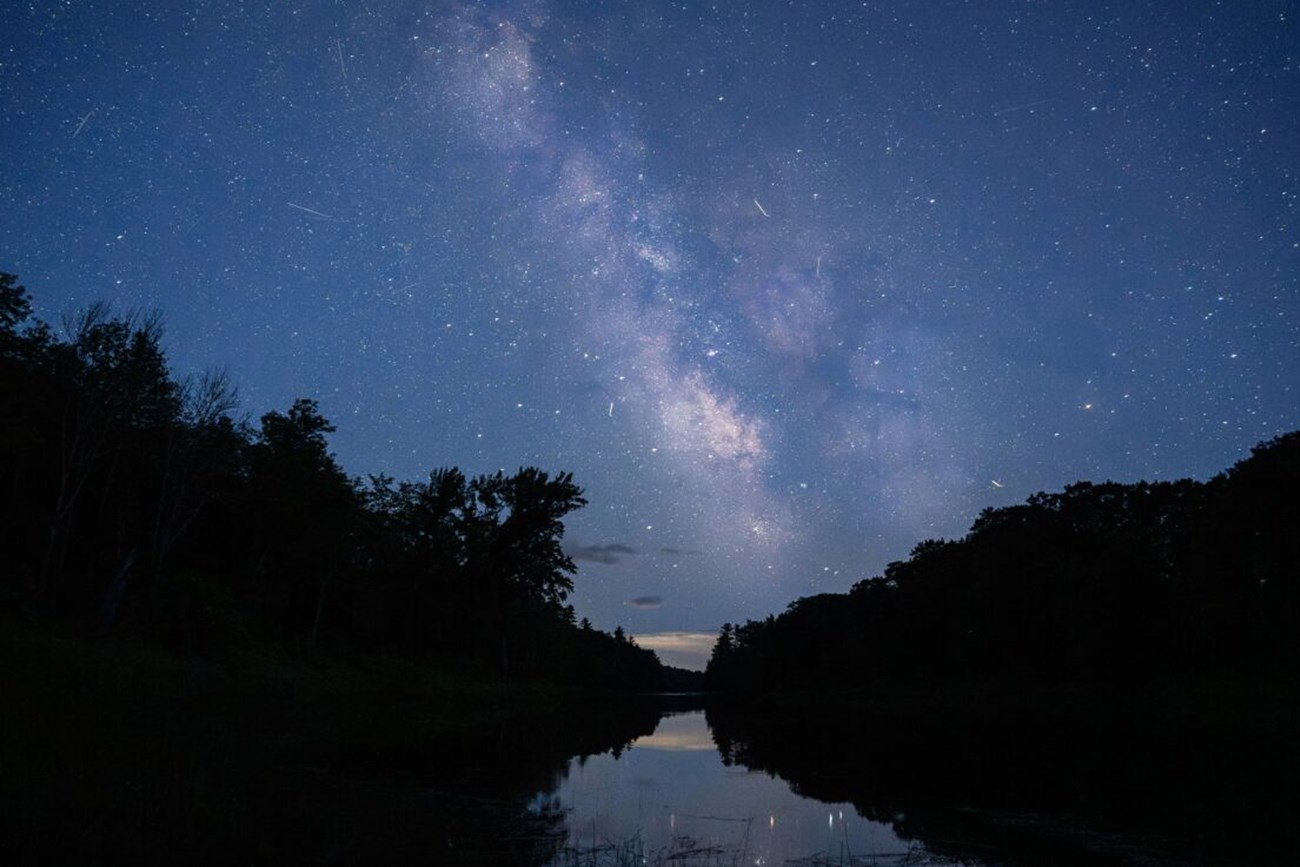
(788, 289)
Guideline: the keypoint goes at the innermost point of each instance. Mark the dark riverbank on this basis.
(1172, 775)
(1120, 651)
(119, 752)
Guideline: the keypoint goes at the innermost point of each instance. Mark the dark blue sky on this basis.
(788, 286)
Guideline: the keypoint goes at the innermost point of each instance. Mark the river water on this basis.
(670, 799)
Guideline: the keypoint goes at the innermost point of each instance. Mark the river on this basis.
(707, 788)
(671, 799)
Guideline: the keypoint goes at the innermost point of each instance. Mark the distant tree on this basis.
(307, 509)
(297, 439)
(111, 381)
(193, 457)
(515, 534)
(25, 398)
(726, 640)
(528, 511)
(428, 598)
(15, 306)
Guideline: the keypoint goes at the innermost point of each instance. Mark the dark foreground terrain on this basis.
(1168, 777)
(115, 752)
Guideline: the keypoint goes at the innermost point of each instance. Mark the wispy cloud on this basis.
(611, 553)
(647, 602)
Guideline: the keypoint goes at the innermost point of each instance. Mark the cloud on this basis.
(646, 602)
(681, 649)
(612, 553)
(678, 552)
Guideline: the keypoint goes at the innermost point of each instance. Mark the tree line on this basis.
(139, 503)
(1100, 588)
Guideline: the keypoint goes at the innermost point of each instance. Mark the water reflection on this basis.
(670, 799)
(679, 732)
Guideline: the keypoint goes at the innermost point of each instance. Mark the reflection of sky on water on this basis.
(681, 732)
(673, 784)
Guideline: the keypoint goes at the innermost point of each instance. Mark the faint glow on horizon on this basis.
(689, 650)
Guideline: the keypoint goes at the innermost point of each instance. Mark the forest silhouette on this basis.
(1123, 655)
(138, 504)
(1106, 589)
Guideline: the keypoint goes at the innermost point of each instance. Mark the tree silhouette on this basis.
(516, 534)
(112, 387)
(307, 510)
(1105, 588)
(139, 503)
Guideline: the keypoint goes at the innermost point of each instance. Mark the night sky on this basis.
(789, 287)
